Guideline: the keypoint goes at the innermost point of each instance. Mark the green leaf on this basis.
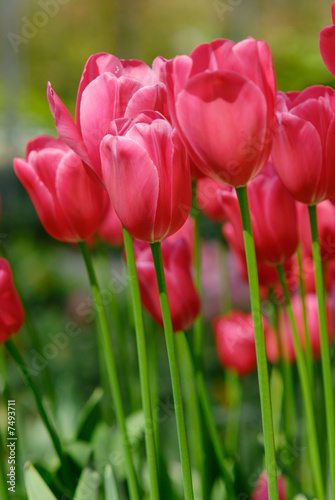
(35, 486)
(80, 452)
(88, 486)
(111, 492)
(90, 415)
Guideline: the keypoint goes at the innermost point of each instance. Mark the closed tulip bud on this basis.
(235, 341)
(110, 88)
(275, 229)
(303, 150)
(183, 298)
(221, 99)
(327, 44)
(146, 173)
(11, 310)
(69, 205)
(261, 490)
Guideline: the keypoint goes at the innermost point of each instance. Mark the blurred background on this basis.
(50, 40)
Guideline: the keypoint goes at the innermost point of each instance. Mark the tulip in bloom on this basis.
(183, 298)
(235, 341)
(303, 150)
(147, 176)
(11, 310)
(261, 490)
(327, 44)
(109, 88)
(69, 205)
(221, 99)
(273, 217)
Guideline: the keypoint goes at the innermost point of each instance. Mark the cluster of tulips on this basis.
(207, 132)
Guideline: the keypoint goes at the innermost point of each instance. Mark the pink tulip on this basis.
(285, 331)
(221, 98)
(326, 228)
(110, 229)
(275, 230)
(261, 490)
(147, 176)
(327, 44)
(109, 88)
(183, 298)
(235, 341)
(11, 310)
(303, 150)
(208, 199)
(69, 205)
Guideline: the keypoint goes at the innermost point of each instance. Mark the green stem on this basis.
(112, 372)
(143, 366)
(175, 379)
(211, 426)
(325, 350)
(234, 387)
(308, 346)
(193, 411)
(262, 367)
(306, 392)
(10, 346)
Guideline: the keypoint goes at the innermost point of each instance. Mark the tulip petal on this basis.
(150, 97)
(133, 186)
(297, 157)
(327, 47)
(83, 201)
(103, 100)
(65, 126)
(221, 127)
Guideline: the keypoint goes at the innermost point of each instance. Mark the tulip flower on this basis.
(261, 490)
(235, 341)
(109, 88)
(11, 310)
(110, 229)
(327, 44)
(208, 199)
(147, 176)
(285, 331)
(69, 205)
(221, 99)
(303, 150)
(326, 227)
(275, 239)
(183, 298)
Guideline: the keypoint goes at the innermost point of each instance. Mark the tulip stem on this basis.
(262, 367)
(325, 350)
(14, 352)
(306, 391)
(143, 366)
(211, 426)
(103, 331)
(308, 346)
(174, 372)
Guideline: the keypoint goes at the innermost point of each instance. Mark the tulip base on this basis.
(262, 367)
